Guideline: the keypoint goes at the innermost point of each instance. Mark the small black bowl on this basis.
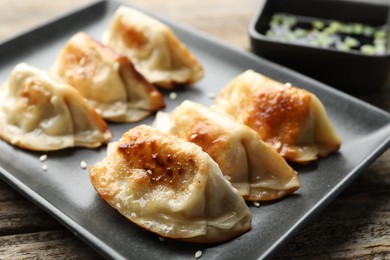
(349, 71)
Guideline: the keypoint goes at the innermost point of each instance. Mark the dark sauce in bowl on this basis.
(334, 34)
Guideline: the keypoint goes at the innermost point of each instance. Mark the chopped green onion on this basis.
(328, 34)
(300, 32)
(276, 19)
(368, 49)
(318, 24)
(348, 29)
(330, 30)
(368, 30)
(351, 42)
(343, 47)
(358, 28)
(315, 43)
(335, 25)
(270, 33)
(379, 41)
(380, 34)
(380, 49)
(325, 40)
(289, 21)
(291, 36)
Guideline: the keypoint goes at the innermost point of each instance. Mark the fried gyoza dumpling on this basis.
(38, 113)
(171, 187)
(292, 120)
(154, 49)
(255, 169)
(107, 80)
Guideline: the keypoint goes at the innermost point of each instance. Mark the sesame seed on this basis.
(43, 157)
(172, 95)
(83, 165)
(161, 239)
(256, 204)
(44, 167)
(198, 254)
(211, 95)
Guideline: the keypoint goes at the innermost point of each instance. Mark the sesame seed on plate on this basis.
(211, 95)
(172, 95)
(43, 157)
(83, 165)
(198, 254)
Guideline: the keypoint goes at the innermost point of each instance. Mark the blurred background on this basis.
(230, 27)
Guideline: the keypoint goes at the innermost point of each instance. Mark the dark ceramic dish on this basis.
(352, 72)
(65, 191)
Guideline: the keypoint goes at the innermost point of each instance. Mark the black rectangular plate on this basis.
(65, 191)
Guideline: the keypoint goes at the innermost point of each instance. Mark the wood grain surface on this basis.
(355, 225)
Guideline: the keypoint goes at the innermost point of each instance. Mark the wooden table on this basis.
(356, 224)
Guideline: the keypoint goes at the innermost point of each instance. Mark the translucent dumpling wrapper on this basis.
(39, 113)
(257, 171)
(291, 120)
(107, 80)
(170, 187)
(154, 49)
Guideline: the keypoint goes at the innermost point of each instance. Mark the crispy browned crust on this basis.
(132, 38)
(141, 149)
(280, 114)
(74, 55)
(162, 163)
(149, 164)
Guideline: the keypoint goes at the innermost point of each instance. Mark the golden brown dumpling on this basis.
(171, 187)
(38, 113)
(154, 49)
(256, 170)
(107, 80)
(291, 120)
